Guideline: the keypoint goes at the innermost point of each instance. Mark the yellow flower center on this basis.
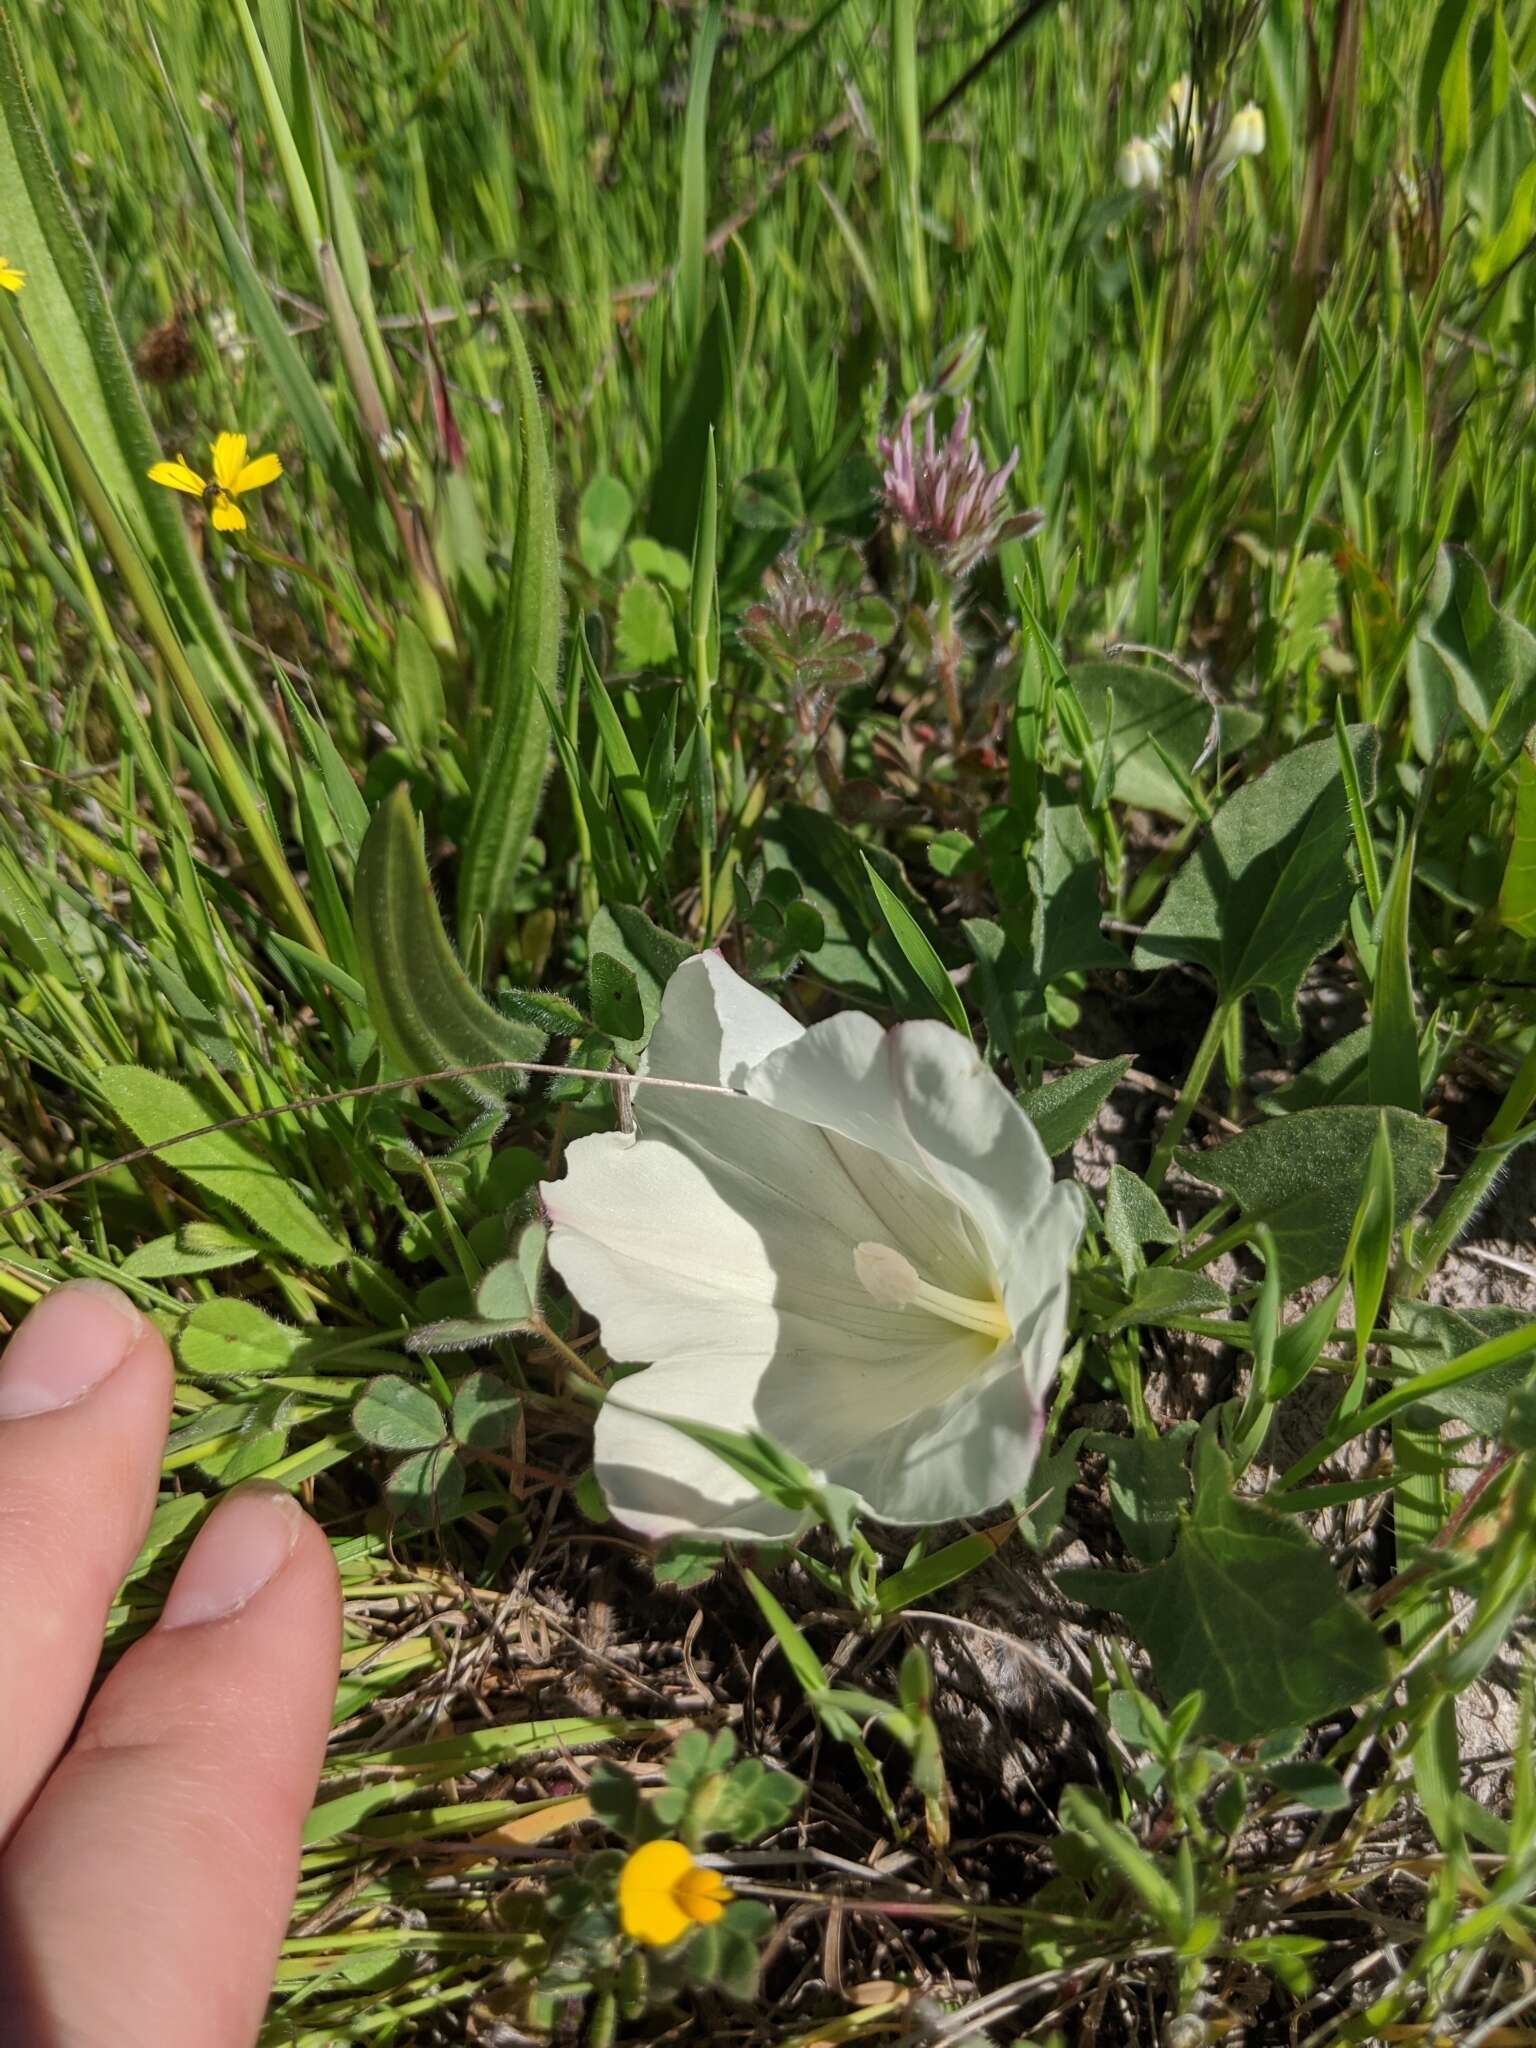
(892, 1279)
(663, 1893)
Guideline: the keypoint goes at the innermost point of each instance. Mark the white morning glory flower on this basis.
(867, 1260)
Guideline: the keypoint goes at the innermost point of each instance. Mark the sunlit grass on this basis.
(253, 780)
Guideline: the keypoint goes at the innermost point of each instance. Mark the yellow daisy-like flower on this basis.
(232, 477)
(11, 279)
(663, 1893)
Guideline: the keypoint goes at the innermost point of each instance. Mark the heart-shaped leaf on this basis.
(1268, 887)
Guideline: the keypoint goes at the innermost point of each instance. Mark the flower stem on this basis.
(1189, 1094)
(947, 654)
(573, 1359)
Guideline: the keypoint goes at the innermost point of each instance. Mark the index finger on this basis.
(85, 1396)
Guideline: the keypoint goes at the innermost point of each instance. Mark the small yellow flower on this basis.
(232, 477)
(11, 279)
(663, 1893)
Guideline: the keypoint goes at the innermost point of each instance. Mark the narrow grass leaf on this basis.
(69, 316)
(1393, 1065)
(510, 736)
(919, 954)
(224, 1164)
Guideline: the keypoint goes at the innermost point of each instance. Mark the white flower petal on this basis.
(678, 1252)
(922, 1095)
(713, 1026)
(656, 1480)
(973, 1447)
(753, 1320)
(1035, 1272)
(959, 1458)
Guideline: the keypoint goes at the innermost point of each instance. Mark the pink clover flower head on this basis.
(943, 493)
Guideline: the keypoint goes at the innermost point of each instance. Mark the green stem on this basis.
(1504, 1350)
(703, 690)
(1189, 1094)
(1470, 1192)
(140, 586)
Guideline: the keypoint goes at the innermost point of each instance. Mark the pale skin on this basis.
(149, 1846)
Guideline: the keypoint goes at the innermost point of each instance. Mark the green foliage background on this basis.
(568, 321)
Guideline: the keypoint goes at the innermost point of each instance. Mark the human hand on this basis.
(148, 1858)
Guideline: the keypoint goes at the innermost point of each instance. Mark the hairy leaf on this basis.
(1303, 1175)
(420, 1001)
(510, 733)
(1247, 1613)
(1268, 888)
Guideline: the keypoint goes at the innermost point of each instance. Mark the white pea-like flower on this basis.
(862, 1255)
(1139, 166)
(1180, 116)
(1245, 136)
(224, 332)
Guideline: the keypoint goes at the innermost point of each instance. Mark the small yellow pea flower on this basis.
(232, 477)
(663, 1893)
(11, 279)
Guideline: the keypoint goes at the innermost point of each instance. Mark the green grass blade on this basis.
(1394, 1051)
(511, 737)
(919, 953)
(693, 198)
(69, 317)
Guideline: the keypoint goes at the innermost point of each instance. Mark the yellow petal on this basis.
(11, 279)
(703, 1895)
(178, 476)
(266, 469)
(227, 516)
(228, 459)
(648, 1910)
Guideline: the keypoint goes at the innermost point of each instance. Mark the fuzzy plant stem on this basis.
(1194, 1082)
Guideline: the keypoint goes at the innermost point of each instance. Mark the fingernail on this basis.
(68, 1344)
(244, 1543)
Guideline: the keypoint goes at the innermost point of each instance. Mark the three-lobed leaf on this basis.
(1247, 1612)
(1304, 1176)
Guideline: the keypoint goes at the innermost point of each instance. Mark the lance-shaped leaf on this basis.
(510, 736)
(226, 1165)
(420, 1000)
(1268, 887)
